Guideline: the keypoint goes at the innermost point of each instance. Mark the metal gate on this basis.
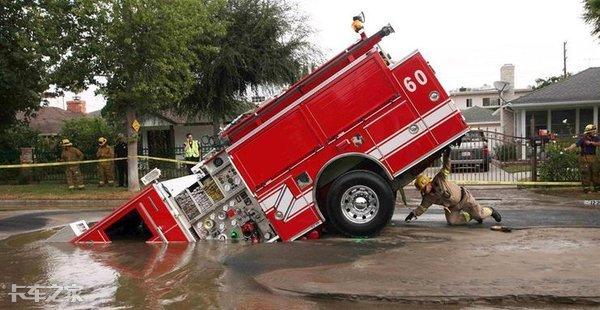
(491, 157)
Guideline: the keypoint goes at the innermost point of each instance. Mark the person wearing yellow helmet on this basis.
(588, 161)
(459, 205)
(72, 154)
(106, 170)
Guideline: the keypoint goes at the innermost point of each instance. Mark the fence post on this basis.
(534, 163)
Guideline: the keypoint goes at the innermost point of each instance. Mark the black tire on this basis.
(367, 184)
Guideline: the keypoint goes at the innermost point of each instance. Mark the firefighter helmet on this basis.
(590, 128)
(65, 142)
(421, 181)
(102, 140)
(357, 25)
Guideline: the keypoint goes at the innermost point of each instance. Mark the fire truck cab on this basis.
(334, 148)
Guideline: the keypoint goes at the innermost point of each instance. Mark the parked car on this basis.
(473, 152)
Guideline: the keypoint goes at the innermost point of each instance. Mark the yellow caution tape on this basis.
(462, 182)
(519, 183)
(67, 163)
(169, 160)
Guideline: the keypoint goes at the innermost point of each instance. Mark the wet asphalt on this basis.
(568, 217)
(217, 275)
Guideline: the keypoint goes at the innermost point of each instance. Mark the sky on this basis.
(465, 41)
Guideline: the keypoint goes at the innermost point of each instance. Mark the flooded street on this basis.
(200, 275)
(549, 260)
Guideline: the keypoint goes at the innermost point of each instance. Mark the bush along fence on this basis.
(90, 170)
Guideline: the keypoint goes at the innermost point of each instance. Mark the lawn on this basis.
(59, 191)
(515, 168)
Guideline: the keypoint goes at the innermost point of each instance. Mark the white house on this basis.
(165, 131)
(488, 97)
(564, 108)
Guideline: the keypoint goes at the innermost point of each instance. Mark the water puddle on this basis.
(140, 275)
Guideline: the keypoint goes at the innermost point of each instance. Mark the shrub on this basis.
(559, 166)
(84, 133)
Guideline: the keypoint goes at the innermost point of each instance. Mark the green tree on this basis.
(84, 132)
(541, 83)
(16, 136)
(264, 44)
(138, 53)
(591, 15)
(31, 43)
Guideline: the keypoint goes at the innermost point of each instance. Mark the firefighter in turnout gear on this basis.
(459, 205)
(106, 170)
(71, 153)
(588, 161)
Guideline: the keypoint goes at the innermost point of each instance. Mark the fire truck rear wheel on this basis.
(360, 203)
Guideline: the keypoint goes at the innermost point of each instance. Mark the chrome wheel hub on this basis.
(359, 204)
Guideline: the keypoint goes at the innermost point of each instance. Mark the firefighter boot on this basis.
(496, 215)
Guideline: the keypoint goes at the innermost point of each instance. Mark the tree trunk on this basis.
(132, 150)
(216, 123)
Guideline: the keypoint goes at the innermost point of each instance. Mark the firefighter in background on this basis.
(106, 170)
(70, 153)
(459, 206)
(191, 150)
(588, 161)
(121, 165)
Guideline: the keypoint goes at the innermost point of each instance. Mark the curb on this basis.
(62, 203)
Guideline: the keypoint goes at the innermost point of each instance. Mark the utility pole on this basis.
(565, 59)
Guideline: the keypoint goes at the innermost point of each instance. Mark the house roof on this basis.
(583, 86)
(480, 115)
(180, 119)
(97, 113)
(49, 120)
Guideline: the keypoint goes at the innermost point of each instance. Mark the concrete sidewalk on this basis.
(460, 265)
(38, 204)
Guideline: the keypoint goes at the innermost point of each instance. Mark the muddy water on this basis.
(183, 276)
(139, 275)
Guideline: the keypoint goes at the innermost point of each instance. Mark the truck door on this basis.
(436, 120)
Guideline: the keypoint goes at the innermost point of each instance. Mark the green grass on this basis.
(514, 168)
(59, 191)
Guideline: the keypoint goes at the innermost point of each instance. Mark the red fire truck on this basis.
(334, 148)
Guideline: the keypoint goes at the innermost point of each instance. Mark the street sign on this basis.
(136, 125)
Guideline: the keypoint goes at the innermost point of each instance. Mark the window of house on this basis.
(586, 116)
(563, 122)
(540, 119)
(486, 102)
(469, 102)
